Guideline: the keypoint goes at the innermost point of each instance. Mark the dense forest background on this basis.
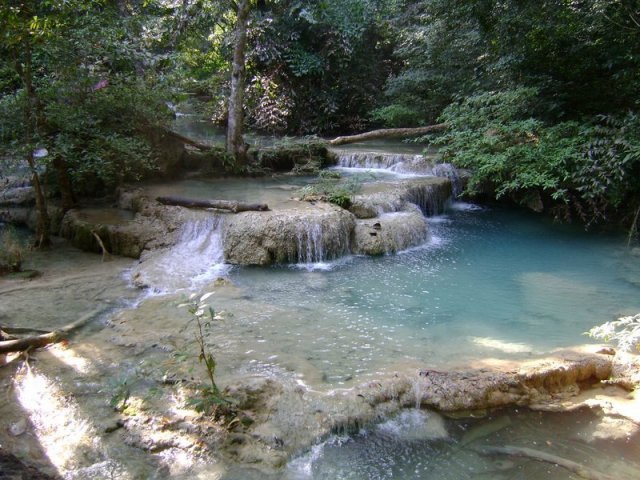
(540, 99)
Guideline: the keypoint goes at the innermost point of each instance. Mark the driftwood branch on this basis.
(12, 330)
(105, 253)
(22, 344)
(188, 141)
(578, 469)
(230, 205)
(388, 133)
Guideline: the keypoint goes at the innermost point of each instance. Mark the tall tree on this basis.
(235, 121)
(22, 27)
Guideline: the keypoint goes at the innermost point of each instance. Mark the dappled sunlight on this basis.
(506, 347)
(61, 429)
(70, 358)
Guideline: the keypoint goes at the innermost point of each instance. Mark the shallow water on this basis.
(489, 283)
(276, 192)
(412, 445)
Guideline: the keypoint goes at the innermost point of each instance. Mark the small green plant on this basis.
(203, 316)
(332, 187)
(625, 332)
(120, 389)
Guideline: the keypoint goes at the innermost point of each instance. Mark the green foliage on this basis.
(582, 57)
(333, 188)
(318, 67)
(585, 168)
(625, 332)
(396, 115)
(204, 316)
(120, 390)
(93, 109)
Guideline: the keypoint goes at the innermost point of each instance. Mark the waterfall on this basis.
(318, 240)
(197, 257)
(310, 243)
(403, 164)
(392, 161)
(430, 199)
(447, 170)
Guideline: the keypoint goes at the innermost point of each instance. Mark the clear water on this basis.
(407, 447)
(276, 192)
(489, 283)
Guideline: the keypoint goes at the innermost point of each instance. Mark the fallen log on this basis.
(230, 205)
(388, 133)
(188, 141)
(27, 343)
(578, 469)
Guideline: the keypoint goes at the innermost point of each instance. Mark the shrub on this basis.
(333, 189)
(581, 168)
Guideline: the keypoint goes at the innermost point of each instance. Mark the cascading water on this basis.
(419, 165)
(197, 257)
(377, 160)
(447, 170)
(310, 245)
(318, 240)
(430, 200)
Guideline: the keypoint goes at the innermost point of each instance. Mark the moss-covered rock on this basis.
(304, 157)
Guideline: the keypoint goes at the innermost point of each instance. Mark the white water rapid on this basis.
(196, 258)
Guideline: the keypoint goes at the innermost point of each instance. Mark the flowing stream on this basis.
(488, 283)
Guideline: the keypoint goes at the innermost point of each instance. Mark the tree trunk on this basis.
(388, 133)
(235, 142)
(230, 205)
(64, 183)
(42, 226)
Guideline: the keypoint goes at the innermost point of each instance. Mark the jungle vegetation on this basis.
(540, 99)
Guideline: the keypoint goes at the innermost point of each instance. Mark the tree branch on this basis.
(388, 133)
(22, 344)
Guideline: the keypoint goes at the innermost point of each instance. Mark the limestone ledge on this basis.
(385, 218)
(563, 382)
(278, 420)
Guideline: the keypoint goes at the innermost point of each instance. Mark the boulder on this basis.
(21, 196)
(121, 231)
(390, 232)
(310, 233)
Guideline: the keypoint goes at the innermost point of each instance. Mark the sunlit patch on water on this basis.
(60, 427)
(70, 358)
(495, 344)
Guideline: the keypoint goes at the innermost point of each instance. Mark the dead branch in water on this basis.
(230, 205)
(105, 253)
(27, 343)
(388, 133)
